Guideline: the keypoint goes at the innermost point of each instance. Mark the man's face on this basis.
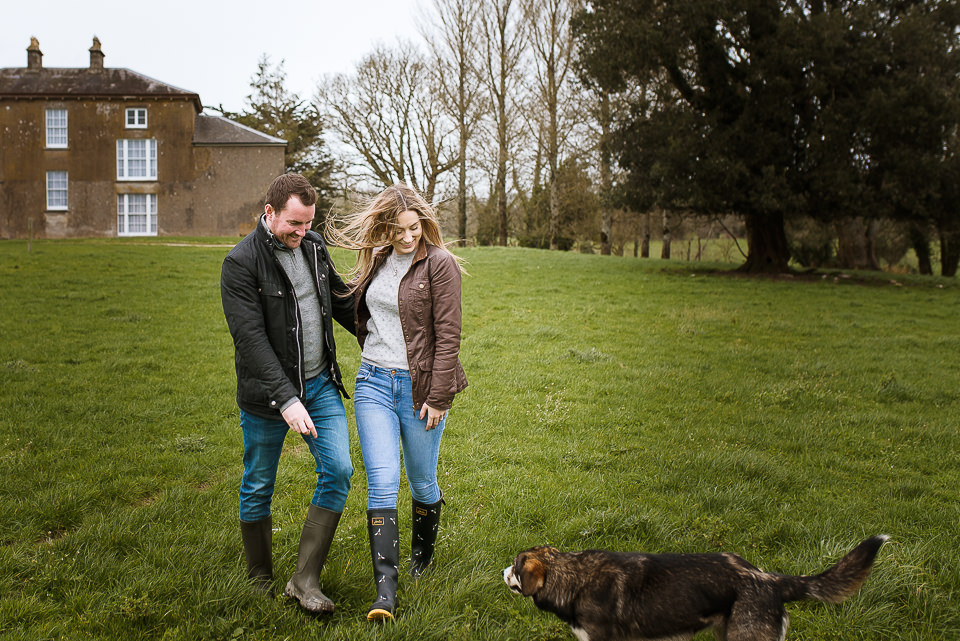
(291, 223)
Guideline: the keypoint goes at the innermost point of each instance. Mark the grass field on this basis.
(613, 402)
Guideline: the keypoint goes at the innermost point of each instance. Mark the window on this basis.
(136, 214)
(57, 190)
(57, 128)
(137, 159)
(136, 118)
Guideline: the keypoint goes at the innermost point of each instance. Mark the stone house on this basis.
(110, 152)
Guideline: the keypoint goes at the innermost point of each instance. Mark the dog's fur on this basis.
(627, 596)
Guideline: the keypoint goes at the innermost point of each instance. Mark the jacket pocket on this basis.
(420, 295)
(270, 289)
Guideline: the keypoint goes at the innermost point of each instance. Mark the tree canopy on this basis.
(772, 109)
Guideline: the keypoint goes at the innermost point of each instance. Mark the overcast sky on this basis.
(210, 48)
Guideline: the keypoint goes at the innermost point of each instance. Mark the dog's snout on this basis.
(511, 579)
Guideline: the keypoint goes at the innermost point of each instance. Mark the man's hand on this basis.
(299, 420)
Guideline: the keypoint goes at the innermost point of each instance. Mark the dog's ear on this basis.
(533, 575)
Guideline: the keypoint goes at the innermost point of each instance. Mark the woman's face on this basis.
(407, 236)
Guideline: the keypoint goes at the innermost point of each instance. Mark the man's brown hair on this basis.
(288, 185)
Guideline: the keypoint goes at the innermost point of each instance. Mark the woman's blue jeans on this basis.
(386, 420)
(263, 439)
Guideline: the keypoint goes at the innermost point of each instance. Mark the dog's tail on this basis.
(839, 582)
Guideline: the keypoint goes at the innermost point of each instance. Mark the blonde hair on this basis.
(375, 225)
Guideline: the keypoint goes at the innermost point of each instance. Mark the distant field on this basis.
(613, 402)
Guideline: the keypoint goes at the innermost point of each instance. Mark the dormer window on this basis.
(137, 118)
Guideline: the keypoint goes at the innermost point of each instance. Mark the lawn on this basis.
(613, 402)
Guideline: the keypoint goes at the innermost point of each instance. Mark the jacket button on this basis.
(273, 403)
(421, 285)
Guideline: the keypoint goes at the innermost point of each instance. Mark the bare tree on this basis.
(452, 34)
(503, 37)
(553, 49)
(388, 114)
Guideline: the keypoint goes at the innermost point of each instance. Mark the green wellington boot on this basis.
(258, 548)
(304, 585)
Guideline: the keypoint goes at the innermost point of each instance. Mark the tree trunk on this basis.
(462, 189)
(855, 244)
(665, 248)
(502, 206)
(767, 249)
(554, 211)
(606, 229)
(645, 246)
(949, 251)
(921, 245)
(606, 176)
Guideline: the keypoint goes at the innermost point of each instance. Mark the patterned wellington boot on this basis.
(384, 534)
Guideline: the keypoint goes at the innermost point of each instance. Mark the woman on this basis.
(407, 293)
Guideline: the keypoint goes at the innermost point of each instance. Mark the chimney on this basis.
(34, 55)
(96, 56)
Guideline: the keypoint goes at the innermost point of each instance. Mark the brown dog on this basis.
(616, 595)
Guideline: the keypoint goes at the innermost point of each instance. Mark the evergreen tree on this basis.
(274, 110)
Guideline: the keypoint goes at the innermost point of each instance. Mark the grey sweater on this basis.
(384, 346)
(294, 263)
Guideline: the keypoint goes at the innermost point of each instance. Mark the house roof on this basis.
(62, 83)
(217, 130)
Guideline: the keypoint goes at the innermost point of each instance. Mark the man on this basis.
(280, 292)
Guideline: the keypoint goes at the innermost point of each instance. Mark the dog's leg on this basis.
(580, 634)
(720, 630)
(757, 618)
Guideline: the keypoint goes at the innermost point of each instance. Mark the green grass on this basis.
(613, 402)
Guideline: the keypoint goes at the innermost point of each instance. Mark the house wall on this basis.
(201, 190)
(226, 196)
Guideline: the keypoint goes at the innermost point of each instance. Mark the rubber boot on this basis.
(384, 534)
(258, 548)
(315, 539)
(426, 523)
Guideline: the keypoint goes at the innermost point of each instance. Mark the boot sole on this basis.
(379, 614)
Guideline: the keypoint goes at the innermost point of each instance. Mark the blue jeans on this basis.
(263, 439)
(383, 403)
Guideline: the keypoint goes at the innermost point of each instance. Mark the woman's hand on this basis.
(433, 416)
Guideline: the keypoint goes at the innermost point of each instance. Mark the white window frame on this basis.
(57, 191)
(138, 122)
(58, 133)
(136, 210)
(129, 167)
